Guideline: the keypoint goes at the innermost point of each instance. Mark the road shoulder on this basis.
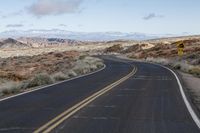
(192, 87)
(184, 84)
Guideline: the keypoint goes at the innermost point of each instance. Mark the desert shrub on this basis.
(87, 65)
(6, 92)
(71, 73)
(114, 48)
(185, 67)
(78, 71)
(10, 87)
(12, 76)
(195, 61)
(23, 85)
(83, 70)
(99, 65)
(195, 71)
(40, 79)
(8, 84)
(162, 61)
(133, 56)
(156, 48)
(92, 60)
(62, 70)
(59, 55)
(133, 48)
(191, 56)
(59, 76)
(10, 91)
(82, 57)
(177, 66)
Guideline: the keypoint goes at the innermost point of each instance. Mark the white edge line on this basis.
(40, 88)
(187, 103)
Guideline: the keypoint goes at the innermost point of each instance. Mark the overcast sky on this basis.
(146, 16)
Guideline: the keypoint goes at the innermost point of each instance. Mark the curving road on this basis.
(147, 102)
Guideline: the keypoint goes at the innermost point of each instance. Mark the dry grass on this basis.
(20, 73)
(39, 80)
(182, 65)
(91, 47)
(195, 71)
(59, 76)
(165, 52)
(115, 49)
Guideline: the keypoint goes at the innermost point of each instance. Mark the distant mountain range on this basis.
(81, 36)
(33, 42)
(12, 43)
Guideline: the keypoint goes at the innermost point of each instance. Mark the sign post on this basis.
(180, 46)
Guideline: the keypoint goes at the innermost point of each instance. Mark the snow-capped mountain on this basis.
(83, 36)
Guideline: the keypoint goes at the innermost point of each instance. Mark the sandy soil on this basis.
(5, 53)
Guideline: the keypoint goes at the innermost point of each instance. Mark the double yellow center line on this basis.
(48, 127)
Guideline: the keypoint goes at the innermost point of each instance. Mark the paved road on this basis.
(28, 112)
(149, 102)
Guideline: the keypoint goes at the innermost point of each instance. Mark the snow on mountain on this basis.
(83, 36)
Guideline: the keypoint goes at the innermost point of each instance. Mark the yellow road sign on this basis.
(179, 43)
(180, 46)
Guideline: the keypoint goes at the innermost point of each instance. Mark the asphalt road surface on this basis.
(148, 102)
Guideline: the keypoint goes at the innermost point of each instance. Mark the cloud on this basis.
(18, 13)
(14, 25)
(3, 16)
(54, 7)
(13, 14)
(80, 25)
(62, 25)
(152, 16)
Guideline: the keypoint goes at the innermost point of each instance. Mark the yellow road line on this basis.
(65, 115)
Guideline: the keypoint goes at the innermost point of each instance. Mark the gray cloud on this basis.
(80, 25)
(152, 16)
(54, 7)
(3, 16)
(13, 14)
(20, 12)
(62, 25)
(14, 25)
